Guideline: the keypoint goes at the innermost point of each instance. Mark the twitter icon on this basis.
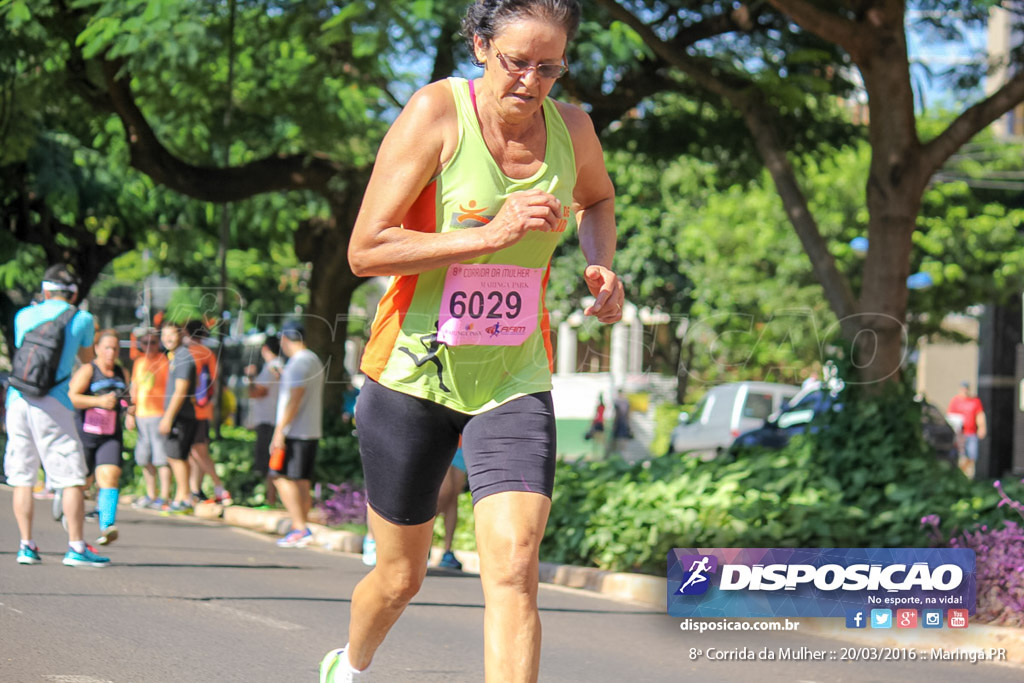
(881, 618)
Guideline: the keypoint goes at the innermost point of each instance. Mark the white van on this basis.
(726, 411)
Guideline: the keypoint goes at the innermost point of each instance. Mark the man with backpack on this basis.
(40, 418)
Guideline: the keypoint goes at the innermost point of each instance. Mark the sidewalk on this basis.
(644, 590)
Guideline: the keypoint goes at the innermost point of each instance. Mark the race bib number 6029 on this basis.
(489, 304)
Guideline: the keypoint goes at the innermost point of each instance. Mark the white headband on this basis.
(58, 287)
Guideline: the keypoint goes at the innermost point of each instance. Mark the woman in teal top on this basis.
(489, 176)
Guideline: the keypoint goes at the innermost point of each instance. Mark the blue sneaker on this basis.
(142, 502)
(28, 555)
(73, 558)
(449, 561)
(296, 538)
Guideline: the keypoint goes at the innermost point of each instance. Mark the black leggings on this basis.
(106, 452)
(407, 444)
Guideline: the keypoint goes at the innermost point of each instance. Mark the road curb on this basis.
(647, 591)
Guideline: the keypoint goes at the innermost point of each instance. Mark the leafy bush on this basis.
(666, 417)
(465, 528)
(337, 459)
(863, 479)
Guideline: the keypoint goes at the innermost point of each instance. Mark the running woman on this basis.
(474, 186)
(99, 393)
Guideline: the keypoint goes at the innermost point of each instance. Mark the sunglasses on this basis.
(519, 67)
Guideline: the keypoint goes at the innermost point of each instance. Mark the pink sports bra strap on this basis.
(472, 97)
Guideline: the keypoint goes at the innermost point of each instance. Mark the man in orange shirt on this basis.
(148, 385)
(206, 382)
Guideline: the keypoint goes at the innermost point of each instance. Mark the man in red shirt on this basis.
(970, 411)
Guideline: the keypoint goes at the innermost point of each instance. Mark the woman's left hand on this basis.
(608, 292)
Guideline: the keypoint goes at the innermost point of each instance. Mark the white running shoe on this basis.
(107, 536)
(334, 668)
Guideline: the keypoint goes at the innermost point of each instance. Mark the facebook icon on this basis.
(856, 618)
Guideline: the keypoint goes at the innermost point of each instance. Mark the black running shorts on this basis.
(261, 451)
(179, 441)
(299, 459)
(106, 452)
(407, 444)
(202, 435)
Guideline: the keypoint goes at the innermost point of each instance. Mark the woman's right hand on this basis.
(523, 212)
(107, 401)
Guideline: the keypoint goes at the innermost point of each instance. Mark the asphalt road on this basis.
(190, 600)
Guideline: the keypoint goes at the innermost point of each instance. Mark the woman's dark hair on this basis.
(485, 18)
(273, 344)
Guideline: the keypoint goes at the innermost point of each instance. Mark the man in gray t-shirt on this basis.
(263, 393)
(298, 429)
(178, 424)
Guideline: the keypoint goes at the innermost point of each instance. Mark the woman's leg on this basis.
(381, 597)
(448, 503)
(107, 478)
(509, 529)
(149, 476)
(406, 444)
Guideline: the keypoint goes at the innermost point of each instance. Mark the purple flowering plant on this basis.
(1000, 562)
(345, 504)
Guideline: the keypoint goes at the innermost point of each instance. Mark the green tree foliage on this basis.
(285, 101)
(724, 258)
(230, 100)
(783, 68)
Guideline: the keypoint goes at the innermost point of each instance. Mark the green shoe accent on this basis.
(330, 664)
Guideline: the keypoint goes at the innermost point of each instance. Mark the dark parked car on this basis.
(799, 417)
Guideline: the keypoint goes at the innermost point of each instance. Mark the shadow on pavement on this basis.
(299, 598)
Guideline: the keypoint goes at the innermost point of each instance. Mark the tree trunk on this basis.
(330, 292)
(896, 183)
(324, 244)
(685, 357)
(880, 345)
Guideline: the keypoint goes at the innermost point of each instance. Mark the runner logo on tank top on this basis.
(469, 216)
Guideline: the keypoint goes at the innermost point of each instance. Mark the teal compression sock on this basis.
(106, 504)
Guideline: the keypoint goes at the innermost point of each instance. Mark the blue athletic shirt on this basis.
(79, 335)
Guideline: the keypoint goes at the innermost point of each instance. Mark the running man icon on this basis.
(697, 570)
(697, 580)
